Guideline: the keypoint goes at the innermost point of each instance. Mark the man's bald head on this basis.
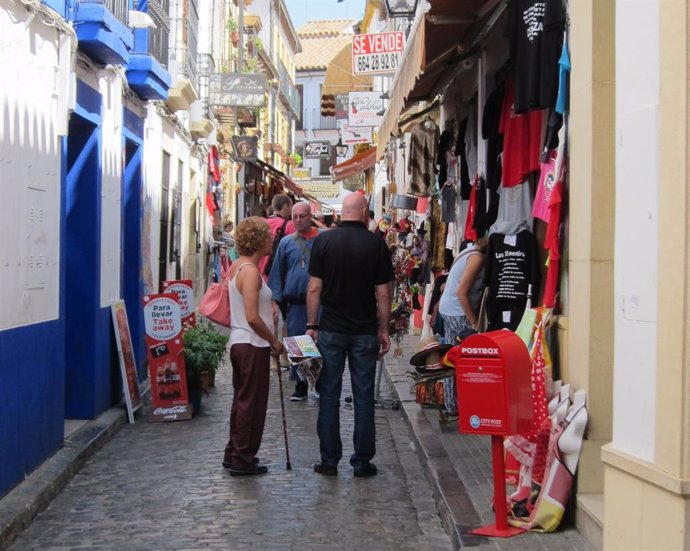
(355, 208)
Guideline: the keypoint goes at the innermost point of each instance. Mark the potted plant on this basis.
(203, 348)
(234, 29)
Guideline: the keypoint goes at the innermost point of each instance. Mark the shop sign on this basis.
(301, 173)
(342, 103)
(237, 89)
(128, 366)
(184, 289)
(352, 135)
(321, 190)
(163, 326)
(315, 150)
(245, 148)
(378, 53)
(364, 109)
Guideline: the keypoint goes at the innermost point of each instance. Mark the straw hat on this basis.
(429, 351)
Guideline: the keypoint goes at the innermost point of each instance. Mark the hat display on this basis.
(429, 351)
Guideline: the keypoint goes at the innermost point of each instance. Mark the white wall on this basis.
(33, 111)
(635, 260)
(110, 85)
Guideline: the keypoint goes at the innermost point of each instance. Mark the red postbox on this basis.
(494, 385)
(493, 375)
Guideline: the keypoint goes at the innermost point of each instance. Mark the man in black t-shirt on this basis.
(350, 272)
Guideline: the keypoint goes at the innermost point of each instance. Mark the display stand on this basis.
(383, 402)
(378, 401)
(500, 529)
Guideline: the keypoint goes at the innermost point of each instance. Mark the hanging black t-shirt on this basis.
(535, 31)
(465, 184)
(512, 264)
(494, 146)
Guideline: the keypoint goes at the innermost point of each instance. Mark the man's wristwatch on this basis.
(313, 326)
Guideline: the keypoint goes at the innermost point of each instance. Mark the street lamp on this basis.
(402, 8)
(341, 148)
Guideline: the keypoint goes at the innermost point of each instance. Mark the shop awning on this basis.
(340, 80)
(358, 163)
(439, 39)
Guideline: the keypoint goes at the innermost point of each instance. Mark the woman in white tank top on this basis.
(252, 343)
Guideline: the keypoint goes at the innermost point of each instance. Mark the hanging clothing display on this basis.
(563, 78)
(439, 230)
(514, 209)
(421, 166)
(465, 183)
(470, 233)
(547, 181)
(512, 265)
(449, 199)
(444, 146)
(521, 140)
(491, 119)
(535, 31)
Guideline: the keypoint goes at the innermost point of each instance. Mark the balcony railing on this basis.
(120, 9)
(159, 37)
(314, 121)
(205, 65)
(287, 89)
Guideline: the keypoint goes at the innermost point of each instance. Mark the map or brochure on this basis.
(303, 354)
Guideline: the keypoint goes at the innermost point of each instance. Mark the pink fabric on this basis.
(275, 222)
(547, 181)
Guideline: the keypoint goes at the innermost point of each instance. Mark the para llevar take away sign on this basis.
(378, 53)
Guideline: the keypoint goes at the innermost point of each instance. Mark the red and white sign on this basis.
(364, 109)
(378, 53)
(355, 134)
(163, 326)
(185, 292)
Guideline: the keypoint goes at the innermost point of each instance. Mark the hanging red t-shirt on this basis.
(470, 232)
(521, 140)
(552, 243)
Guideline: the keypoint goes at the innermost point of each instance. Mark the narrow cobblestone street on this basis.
(162, 486)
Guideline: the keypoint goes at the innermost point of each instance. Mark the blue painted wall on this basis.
(32, 373)
(132, 281)
(91, 378)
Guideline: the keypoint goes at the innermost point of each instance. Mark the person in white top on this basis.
(252, 343)
(459, 303)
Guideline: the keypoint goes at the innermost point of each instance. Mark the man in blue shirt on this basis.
(288, 280)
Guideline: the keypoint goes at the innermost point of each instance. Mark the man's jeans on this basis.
(361, 352)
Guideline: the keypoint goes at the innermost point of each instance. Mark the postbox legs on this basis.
(501, 529)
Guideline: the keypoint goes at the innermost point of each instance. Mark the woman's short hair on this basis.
(250, 235)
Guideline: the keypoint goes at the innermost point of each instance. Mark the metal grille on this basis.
(120, 9)
(159, 37)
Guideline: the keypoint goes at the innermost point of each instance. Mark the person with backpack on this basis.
(289, 278)
(280, 225)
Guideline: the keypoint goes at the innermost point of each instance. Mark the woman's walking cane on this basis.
(282, 409)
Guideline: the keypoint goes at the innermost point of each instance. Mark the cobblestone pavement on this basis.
(162, 486)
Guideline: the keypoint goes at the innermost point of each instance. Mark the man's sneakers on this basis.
(325, 470)
(367, 470)
(251, 471)
(301, 392)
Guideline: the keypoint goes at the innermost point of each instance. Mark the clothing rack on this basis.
(423, 112)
